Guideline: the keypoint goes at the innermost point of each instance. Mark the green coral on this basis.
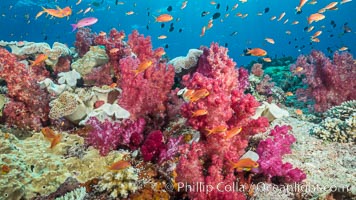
(339, 124)
(37, 169)
(93, 58)
(77, 194)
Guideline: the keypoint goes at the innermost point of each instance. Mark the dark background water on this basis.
(18, 23)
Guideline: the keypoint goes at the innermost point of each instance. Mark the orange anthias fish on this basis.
(232, 132)
(256, 52)
(281, 16)
(315, 17)
(316, 34)
(301, 4)
(298, 112)
(199, 94)
(202, 33)
(119, 165)
(330, 6)
(142, 67)
(59, 12)
(267, 59)
(164, 18)
(50, 135)
(200, 112)
(218, 129)
(39, 60)
(244, 164)
(270, 40)
(289, 94)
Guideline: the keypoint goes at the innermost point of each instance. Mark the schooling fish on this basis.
(84, 22)
(164, 18)
(216, 15)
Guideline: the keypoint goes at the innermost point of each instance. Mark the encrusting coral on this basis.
(36, 168)
(339, 124)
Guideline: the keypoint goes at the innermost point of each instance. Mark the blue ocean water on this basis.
(18, 23)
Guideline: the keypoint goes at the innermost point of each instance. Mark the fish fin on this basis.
(74, 27)
(136, 72)
(60, 9)
(299, 11)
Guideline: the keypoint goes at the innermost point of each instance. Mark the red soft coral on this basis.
(28, 107)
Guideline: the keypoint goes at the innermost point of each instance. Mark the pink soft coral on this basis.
(207, 162)
(271, 152)
(329, 82)
(107, 135)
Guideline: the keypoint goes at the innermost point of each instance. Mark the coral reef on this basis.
(329, 82)
(120, 183)
(95, 57)
(83, 40)
(183, 63)
(146, 93)
(107, 136)
(271, 152)
(339, 124)
(227, 106)
(70, 78)
(35, 168)
(28, 104)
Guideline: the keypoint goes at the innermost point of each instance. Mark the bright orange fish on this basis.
(48, 133)
(56, 140)
(301, 4)
(199, 94)
(267, 59)
(270, 40)
(232, 132)
(298, 69)
(161, 37)
(245, 164)
(142, 67)
(316, 34)
(119, 165)
(202, 33)
(129, 12)
(160, 52)
(315, 17)
(256, 52)
(310, 28)
(298, 112)
(343, 48)
(218, 129)
(39, 60)
(198, 113)
(289, 94)
(330, 6)
(164, 18)
(315, 39)
(59, 12)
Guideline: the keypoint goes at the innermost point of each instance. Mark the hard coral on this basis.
(28, 106)
(329, 82)
(271, 152)
(107, 136)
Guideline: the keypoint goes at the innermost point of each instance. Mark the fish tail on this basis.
(135, 71)
(299, 10)
(74, 27)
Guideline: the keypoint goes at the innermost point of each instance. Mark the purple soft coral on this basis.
(107, 135)
(271, 152)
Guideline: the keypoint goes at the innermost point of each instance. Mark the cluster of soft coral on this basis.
(28, 107)
(271, 152)
(330, 82)
(228, 106)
